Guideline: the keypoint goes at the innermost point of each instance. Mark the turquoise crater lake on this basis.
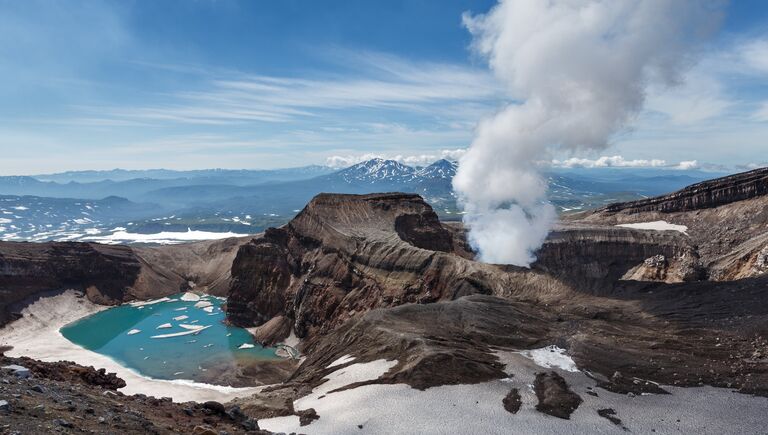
(169, 338)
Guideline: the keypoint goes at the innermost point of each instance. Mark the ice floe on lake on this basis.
(180, 334)
(190, 297)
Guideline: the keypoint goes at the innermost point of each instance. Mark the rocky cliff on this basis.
(105, 273)
(707, 194)
(593, 258)
(347, 254)
(350, 275)
(726, 220)
(111, 274)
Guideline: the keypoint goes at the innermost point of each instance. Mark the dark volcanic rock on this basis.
(262, 272)
(555, 398)
(67, 371)
(424, 231)
(435, 344)
(307, 416)
(214, 407)
(610, 414)
(512, 401)
(68, 403)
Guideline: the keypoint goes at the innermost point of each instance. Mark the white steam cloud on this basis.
(578, 71)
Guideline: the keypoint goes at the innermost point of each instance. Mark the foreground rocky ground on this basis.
(387, 303)
(68, 398)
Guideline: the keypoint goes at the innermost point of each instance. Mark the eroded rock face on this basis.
(104, 272)
(347, 254)
(262, 272)
(593, 257)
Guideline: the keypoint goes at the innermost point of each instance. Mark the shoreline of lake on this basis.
(37, 335)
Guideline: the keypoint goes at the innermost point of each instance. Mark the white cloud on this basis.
(687, 165)
(608, 162)
(621, 162)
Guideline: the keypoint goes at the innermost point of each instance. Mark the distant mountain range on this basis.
(73, 205)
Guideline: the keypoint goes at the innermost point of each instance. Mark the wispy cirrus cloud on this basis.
(378, 82)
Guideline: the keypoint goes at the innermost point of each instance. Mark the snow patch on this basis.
(161, 238)
(656, 226)
(551, 356)
(343, 360)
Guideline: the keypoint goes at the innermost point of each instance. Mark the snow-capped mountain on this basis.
(376, 171)
(393, 172)
(442, 168)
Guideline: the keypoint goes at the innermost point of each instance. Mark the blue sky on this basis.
(258, 84)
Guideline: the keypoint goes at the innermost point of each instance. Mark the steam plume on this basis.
(577, 71)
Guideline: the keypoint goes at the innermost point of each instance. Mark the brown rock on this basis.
(555, 398)
(204, 430)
